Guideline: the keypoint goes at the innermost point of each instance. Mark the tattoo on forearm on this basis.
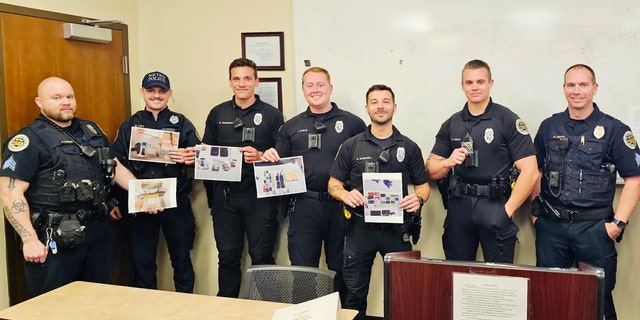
(19, 206)
(12, 183)
(333, 189)
(20, 229)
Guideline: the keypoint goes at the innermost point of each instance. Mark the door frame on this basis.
(15, 270)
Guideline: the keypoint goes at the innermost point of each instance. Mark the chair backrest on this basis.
(287, 284)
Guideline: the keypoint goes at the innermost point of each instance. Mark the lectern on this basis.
(420, 288)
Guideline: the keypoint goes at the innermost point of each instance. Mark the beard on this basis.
(62, 117)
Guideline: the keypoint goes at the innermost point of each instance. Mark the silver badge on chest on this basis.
(173, 119)
(400, 154)
(257, 119)
(339, 126)
(488, 135)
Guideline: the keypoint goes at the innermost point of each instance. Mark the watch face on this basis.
(619, 223)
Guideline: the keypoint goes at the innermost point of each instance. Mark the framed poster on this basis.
(266, 49)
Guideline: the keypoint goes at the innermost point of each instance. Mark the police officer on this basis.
(579, 152)
(177, 224)
(316, 135)
(247, 122)
(380, 148)
(478, 147)
(54, 186)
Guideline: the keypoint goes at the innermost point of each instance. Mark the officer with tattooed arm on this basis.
(54, 186)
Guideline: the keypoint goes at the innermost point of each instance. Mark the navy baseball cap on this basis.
(156, 79)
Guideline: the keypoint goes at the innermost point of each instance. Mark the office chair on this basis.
(286, 284)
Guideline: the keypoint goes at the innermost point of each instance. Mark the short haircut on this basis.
(578, 66)
(380, 87)
(477, 64)
(318, 70)
(243, 62)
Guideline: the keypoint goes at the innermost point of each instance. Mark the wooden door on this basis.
(34, 48)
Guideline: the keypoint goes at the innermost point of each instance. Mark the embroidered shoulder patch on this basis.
(629, 140)
(18, 143)
(522, 127)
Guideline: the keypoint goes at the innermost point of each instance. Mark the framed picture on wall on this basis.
(266, 49)
(270, 91)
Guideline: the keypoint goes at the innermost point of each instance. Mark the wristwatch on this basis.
(619, 223)
(420, 200)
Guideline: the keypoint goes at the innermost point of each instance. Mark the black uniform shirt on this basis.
(597, 147)
(167, 120)
(24, 154)
(261, 116)
(404, 156)
(293, 140)
(499, 137)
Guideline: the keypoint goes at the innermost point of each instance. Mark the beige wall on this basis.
(193, 42)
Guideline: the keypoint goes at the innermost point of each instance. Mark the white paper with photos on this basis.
(220, 163)
(152, 193)
(280, 178)
(152, 145)
(383, 192)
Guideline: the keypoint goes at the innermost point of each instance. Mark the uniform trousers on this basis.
(311, 222)
(563, 243)
(241, 212)
(361, 244)
(178, 228)
(473, 221)
(92, 261)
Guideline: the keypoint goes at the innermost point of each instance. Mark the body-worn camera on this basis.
(108, 164)
(314, 141)
(248, 134)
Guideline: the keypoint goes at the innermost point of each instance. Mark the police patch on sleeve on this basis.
(18, 143)
(629, 140)
(522, 127)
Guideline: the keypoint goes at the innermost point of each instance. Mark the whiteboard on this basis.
(418, 48)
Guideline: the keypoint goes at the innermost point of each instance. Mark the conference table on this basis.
(86, 300)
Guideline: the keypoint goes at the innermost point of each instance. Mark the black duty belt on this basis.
(583, 214)
(359, 220)
(476, 190)
(320, 195)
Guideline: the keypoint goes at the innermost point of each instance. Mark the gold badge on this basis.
(598, 132)
(92, 129)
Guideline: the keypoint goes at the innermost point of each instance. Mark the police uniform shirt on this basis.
(293, 140)
(499, 137)
(603, 135)
(26, 154)
(404, 156)
(264, 119)
(167, 121)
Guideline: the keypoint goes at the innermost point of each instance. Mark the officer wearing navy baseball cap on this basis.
(156, 79)
(177, 224)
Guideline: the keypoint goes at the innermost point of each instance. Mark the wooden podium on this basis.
(419, 288)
